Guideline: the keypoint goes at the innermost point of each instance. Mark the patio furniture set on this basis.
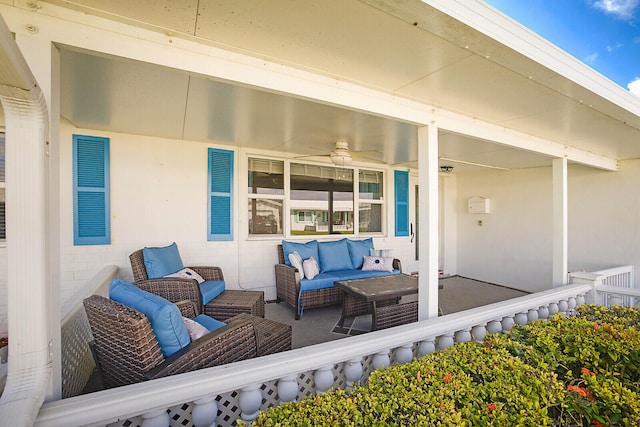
(174, 319)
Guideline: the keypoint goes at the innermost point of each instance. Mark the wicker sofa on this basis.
(301, 293)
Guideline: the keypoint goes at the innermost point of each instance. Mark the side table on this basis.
(233, 301)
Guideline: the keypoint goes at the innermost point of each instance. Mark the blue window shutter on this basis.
(401, 183)
(91, 202)
(220, 211)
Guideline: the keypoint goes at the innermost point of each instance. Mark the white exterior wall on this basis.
(158, 195)
(604, 218)
(513, 247)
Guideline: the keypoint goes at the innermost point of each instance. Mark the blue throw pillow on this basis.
(305, 250)
(334, 256)
(358, 249)
(164, 316)
(160, 262)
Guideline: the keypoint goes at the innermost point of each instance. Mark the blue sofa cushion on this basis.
(334, 256)
(358, 249)
(322, 280)
(359, 274)
(209, 322)
(164, 316)
(160, 262)
(209, 289)
(305, 250)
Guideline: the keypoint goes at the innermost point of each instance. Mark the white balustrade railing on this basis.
(242, 389)
(619, 281)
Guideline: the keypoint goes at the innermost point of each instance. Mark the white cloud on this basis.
(591, 59)
(616, 46)
(620, 8)
(634, 86)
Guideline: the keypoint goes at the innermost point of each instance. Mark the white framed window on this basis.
(318, 199)
(370, 201)
(266, 196)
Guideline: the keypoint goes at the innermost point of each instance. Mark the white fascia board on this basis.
(487, 20)
(75, 29)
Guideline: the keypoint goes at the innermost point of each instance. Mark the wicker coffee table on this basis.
(232, 302)
(381, 294)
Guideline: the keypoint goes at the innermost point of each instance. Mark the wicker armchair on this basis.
(230, 303)
(127, 352)
(288, 288)
(172, 288)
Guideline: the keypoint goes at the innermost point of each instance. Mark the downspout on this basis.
(26, 122)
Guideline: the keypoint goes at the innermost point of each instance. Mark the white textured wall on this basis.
(158, 195)
(513, 247)
(604, 218)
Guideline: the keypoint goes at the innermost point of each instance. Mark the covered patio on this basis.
(461, 100)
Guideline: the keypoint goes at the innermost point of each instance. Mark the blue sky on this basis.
(605, 34)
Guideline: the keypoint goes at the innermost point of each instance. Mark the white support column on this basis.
(44, 61)
(428, 219)
(560, 223)
(28, 220)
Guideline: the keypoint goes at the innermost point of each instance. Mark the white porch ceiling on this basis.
(406, 48)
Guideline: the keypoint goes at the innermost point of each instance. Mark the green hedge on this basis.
(576, 371)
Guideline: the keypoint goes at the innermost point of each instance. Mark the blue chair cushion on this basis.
(305, 250)
(160, 262)
(334, 256)
(358, 249)
(209, 289)
(164, 316)
(209, 322)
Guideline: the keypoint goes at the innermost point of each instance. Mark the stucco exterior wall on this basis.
(513, 247)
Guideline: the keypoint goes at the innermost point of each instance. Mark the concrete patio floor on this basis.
(316, 325)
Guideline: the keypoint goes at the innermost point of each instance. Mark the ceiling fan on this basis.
(341, 155)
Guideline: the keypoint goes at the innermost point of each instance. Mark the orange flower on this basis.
(581, 391)
(447, 378)
(595, 326)
(585, 371)
(491, 407)
(596, 423)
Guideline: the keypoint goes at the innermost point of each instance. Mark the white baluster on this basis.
(532, 315)
(478, 332)
(381, 359)
(404, 353)
(572, 303)
(159, 418)
(323, 378)
(543, 313)
(250, 400)
(615, 300)
(580, 300)
(288, 389)
(553, 309)
(426, 347)
(444, 341)
(563, 306)
(463, 335)
(205, 412)
(494, 327)
(520, 319)
(353, 371)
(507, 324)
